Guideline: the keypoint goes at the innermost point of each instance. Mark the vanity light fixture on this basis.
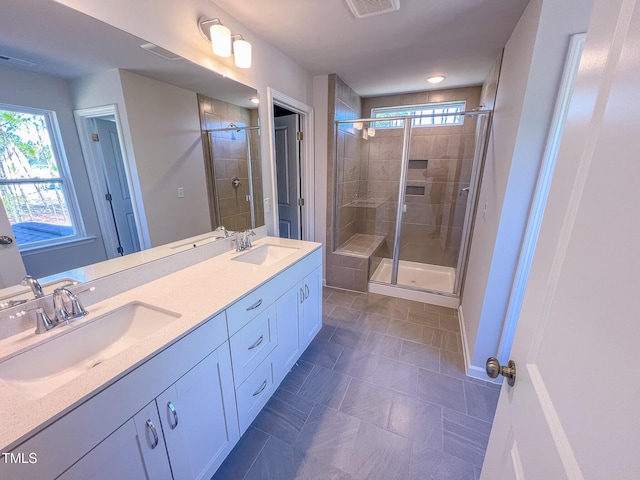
(223, 43)
(241, 52)
(435, 78)
(255, 100)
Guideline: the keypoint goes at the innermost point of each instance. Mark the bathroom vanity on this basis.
(175, 400)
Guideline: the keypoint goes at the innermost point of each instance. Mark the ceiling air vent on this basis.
(367, 8)
(161, 52)
(6, 59)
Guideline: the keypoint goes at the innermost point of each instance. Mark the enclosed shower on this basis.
(235, 184)
(405, 191)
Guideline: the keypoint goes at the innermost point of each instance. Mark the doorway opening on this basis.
(292, 167)
(110, 180)
(287, 154)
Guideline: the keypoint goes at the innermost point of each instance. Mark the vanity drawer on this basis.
(242, 311)
(254, 393)
(253, 343)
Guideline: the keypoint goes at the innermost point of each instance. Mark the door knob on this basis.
(4, 240)
(494, 369)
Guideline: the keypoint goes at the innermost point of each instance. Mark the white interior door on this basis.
(12, 269)
(116, 182)
(288, 176)
(573, 412)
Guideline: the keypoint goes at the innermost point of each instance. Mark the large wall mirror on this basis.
(111, 146)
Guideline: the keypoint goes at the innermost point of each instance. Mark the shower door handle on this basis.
(463, 190)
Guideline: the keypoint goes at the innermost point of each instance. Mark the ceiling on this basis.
(388, 53)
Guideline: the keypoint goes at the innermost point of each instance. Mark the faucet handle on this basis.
(77, 310)
(247, 238)
(43, 322)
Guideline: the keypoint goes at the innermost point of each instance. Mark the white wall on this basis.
(20, 87)
(165, 132)
(173, 25)
(530, 76)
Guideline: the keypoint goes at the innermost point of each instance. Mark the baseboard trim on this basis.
(472, 371)
(465, 344)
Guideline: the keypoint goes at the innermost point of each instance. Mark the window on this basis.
(443, 114)
(34, 184)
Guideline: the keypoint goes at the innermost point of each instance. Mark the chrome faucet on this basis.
(222, 229)
(61, 298)
(243, 240)
(34, 284)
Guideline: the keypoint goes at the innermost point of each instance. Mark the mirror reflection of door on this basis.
(287, 126)
(12, 269)
(117, 197)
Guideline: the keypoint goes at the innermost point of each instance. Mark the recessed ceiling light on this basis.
(435, 78)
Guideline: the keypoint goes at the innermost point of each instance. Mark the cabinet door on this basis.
(311, 320)
(288, 310)
(197, 417)
(135, 450)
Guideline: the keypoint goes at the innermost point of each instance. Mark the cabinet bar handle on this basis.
(301, 295)
(172, 409)
(152, 427)
(258, 342)
(262, 387)
(255, 305)
(306, 291)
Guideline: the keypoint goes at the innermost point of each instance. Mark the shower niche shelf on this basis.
(418, 164)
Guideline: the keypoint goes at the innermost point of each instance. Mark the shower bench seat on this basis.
(361, 244)
(364, 253)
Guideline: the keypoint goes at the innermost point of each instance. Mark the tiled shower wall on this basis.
(343, 271)
(432, 228)
(229, 153)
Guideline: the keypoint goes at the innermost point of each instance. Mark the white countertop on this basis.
(196, 293)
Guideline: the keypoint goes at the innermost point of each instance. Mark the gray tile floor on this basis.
(379, 394)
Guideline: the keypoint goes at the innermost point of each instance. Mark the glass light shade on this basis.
(242, 53)
(435, 78)
(221, 40)
(371, 132)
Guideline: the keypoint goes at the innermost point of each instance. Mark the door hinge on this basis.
(95, 137)
(108, 197)
(301, 202)
(299, 136)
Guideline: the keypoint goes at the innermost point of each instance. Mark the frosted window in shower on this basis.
(425, 115)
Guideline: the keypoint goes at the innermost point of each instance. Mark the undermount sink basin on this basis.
(265, 255)
(49, 365)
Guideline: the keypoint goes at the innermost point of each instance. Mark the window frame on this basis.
(400, 111)
(64, 179)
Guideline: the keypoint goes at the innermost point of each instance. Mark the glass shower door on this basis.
(442, 169)
(366, 197)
